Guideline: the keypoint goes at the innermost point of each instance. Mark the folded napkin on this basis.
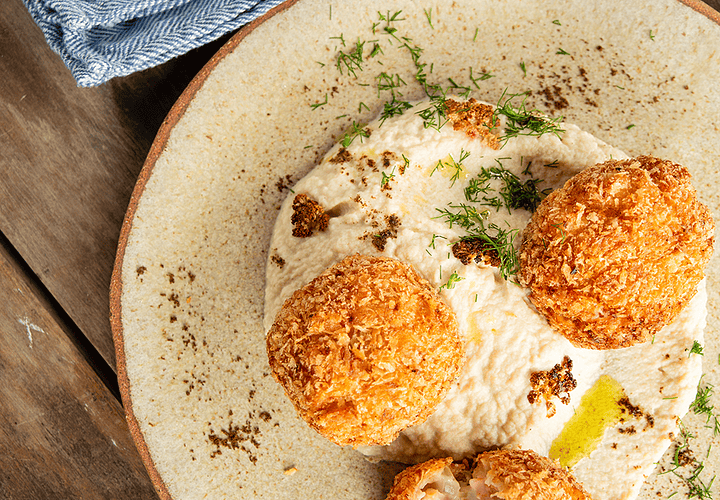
(101, 39)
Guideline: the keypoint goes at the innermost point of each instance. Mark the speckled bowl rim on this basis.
(116, 283)
(157, 149)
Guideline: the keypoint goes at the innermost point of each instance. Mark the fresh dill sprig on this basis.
(406, 163)
(701, 405)
(557, 21)
(361, 106)
(319, 104)
(456, 165)
(352, 60)
(526, 170)
(428, 15)
(452, 281)
(562, 52)
(467, 217)
(481, 78)
(696, 348)
(652, 37)
(377, 49)
(514, 193)
(435, 115)
(496, 238)
(454, 86)
(682, 458)
(389, 19)
(521, 121)
(356, 130)
(341, 38)
(523, 68)
(476, 34)
(390, 83)
(502, 242)
(386, 178)
(393, 107)
(435, 237)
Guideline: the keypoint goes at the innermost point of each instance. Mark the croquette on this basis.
(617, 252)
(365, 350)
(501, 474)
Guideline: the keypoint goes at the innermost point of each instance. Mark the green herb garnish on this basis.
(390, 83)
(393, 107)
(696, 348)
(481, 78)
(496, 238)
(521, 121)
(452, 281)
(428, 15)
(352, 60)
(453, 164)
(513, 193)
(386, 178)
(454, 86)
(434, 237)
(317, 105)
(682, 458)
(356, 130)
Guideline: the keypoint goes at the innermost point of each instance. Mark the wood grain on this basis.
(70, 158)
(62, 433)
(715, 4)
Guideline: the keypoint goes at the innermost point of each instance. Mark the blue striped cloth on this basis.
(102, 39)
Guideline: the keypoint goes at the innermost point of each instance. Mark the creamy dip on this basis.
(389, 192)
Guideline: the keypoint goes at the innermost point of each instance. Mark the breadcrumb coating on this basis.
(617, 252)
(412, 483)
(523, 474)
(500, 474)
(475, 119)
(365, 350)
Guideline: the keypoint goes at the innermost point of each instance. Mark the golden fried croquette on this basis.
(422, 481)
(500, 474)
(617, 252)
(365, 350)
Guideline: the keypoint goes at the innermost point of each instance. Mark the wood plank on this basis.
(62, 432)
(69, 159)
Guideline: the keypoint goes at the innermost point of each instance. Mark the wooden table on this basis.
(69, 159)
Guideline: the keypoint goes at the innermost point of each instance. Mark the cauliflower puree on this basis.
(399, 188)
